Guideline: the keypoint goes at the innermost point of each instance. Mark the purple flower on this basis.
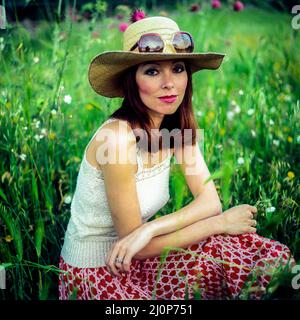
(216, 4)
(195, 7)
(123, 26)
(136, 15)
(238, 6)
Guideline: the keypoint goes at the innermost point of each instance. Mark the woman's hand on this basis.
(239, 219)
(126, 248)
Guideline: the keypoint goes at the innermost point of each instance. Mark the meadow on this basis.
(249, 110)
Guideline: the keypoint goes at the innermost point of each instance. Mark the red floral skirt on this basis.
(220, 267)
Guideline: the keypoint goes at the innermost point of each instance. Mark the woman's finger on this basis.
(112, 261)
(121, 256)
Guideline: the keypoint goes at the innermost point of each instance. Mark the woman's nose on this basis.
(168, 80)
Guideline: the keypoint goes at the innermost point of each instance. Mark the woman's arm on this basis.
(182, 238)
(200, 208)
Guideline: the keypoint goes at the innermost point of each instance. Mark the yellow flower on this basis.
(222, 132)
(8, 238)
(211, 115)
(52, 135)
(89, 106)
(290, 139)
(291, 175)
(76, 159)
(286, 129)
(276, 66)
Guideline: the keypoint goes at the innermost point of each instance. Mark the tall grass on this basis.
(249, 110)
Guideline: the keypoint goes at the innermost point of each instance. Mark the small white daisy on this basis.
(233, 103)
(53, 112)
(22, 156)
(276, 142)
(237, 109)
(37, 124)
(250, 112)
(199, 113)
(241, 92)
(67, 199)
(230, 115)
(270, 209)
(37, 138)
(44, 131)
(36, 59)
(240, 160)
(67, 99)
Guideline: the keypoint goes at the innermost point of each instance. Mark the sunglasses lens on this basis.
(183, 42)
(151, 43)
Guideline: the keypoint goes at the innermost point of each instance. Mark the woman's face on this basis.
(161, 78)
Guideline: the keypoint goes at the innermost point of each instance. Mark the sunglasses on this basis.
(181, 41)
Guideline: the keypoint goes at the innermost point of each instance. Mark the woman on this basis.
(111, 249)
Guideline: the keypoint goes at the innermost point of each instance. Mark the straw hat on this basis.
(106, 69)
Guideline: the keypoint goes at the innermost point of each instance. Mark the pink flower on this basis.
(195, 7)
(136, 15)
(216, 4)
(238, 6)
(123, 26)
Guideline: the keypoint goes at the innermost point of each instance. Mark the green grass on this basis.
(259, 124)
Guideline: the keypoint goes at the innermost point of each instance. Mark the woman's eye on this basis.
(180, 67)
(150, 70)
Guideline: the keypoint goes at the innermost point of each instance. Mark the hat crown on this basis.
(161, 25)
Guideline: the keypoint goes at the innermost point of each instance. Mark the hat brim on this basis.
(105, 69)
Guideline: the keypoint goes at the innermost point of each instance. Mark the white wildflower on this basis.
(230, 115)
(36, 59)
(270, 209)
(25, 128)
(37, 138)
(241, 160)
(276, 142)
(44, 131)
(253, 133)
(67, 99)
(250, 112)
(22, 156)
(233, 103)
(199, 113)
(53, 112)
(37, 124)
(241, 92)
(287, 98)
(237, 109)
(271, 122)
(67, 199)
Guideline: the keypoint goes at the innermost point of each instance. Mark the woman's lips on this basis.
(168, 99)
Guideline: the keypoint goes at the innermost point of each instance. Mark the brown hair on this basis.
(135, 112)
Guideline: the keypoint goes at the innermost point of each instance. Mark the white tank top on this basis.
(90, 232)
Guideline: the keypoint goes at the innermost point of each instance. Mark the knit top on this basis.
(90, 232)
